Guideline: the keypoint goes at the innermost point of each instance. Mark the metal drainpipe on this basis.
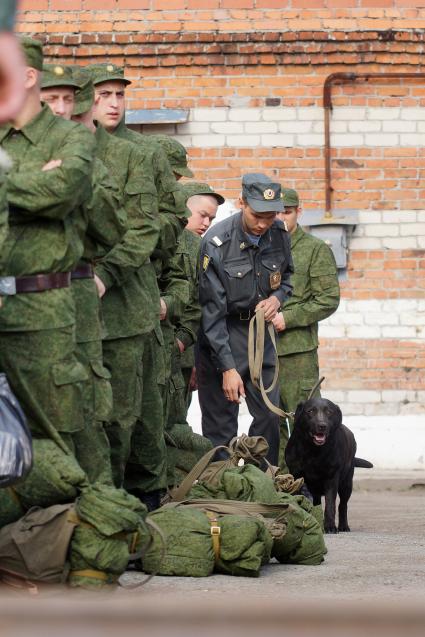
(327, 105)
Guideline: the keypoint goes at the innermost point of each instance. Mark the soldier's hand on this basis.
(270, 307)
(279, 322)
(100, 286)
(233, 386)
(53, 163)
(162, 310)
(193, 382)
(180, 345)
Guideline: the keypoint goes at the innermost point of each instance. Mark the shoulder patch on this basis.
(218, 242)
(205, 262)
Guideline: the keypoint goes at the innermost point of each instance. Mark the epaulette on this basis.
(218, 241)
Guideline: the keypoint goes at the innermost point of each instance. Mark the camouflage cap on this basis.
(33, 52)
(57, 75)
(84, 95)
(192, 188)
(106, 73)
(261, 193)
(176, 154)
(290, 198)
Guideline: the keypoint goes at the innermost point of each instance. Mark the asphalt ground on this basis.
(371, 582)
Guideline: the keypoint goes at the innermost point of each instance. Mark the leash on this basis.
(256, 338)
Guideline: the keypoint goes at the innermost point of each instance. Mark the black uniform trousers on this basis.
(219, 415)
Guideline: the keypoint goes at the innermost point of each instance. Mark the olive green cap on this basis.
(261, 193)
(33, 52)
(57, 75)
(84, 95)
(106, 73)
(290, 198)
(176, 154)
(192, 188)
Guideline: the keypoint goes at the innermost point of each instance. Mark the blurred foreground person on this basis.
(46, 187)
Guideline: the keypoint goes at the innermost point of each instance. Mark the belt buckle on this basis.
(245, 316)
(7, 286)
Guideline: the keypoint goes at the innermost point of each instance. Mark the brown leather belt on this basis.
(83, 271)
(42, 282)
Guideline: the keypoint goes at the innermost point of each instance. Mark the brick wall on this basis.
(251, 75)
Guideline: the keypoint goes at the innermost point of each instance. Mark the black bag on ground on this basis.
(15, 438)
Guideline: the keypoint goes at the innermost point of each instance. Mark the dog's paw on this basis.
(344, 529)
(331, 529)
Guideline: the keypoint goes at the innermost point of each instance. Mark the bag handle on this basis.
(178, 493)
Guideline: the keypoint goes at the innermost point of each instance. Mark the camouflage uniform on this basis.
(7, 19)
(315, 296)
(149, 455)
(185, 330)
(106, 227)
(45, 236)
(130, 305)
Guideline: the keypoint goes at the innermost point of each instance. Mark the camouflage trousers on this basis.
(136, 427)
(297, 375)
(48, 380)
(92, 443)
(147, 466)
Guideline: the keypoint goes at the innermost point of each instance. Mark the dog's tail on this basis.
(364, 464)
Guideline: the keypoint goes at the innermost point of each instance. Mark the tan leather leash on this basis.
(256, 337)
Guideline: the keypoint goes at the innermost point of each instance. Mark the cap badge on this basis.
(269, 194)
(58, 70)
(109, 68)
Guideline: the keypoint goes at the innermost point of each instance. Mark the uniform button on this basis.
(239, 273)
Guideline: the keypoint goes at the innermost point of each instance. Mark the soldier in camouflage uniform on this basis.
(7, 40)
(49, 182)
(146, 474)
(106, 225)
(176, 155)
(315, 297)
(202, 203)
(133, 311)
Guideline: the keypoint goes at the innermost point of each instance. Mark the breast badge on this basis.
(205, 262)
(275, 279)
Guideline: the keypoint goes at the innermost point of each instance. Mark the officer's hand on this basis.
(162, 310)
(100, 286)
(270, 307)
(279, 322)
(233, 386)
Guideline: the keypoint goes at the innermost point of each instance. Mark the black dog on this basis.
(322, 451)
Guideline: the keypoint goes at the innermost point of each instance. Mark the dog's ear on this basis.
(299, 411)
(337, 416)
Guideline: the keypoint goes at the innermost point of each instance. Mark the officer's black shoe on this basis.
(151, 499)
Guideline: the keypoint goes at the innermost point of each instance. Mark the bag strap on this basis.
(150, 523)
(256, 358)
(179, 493)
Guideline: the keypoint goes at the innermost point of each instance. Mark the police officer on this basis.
(245, 266)
(315, 297)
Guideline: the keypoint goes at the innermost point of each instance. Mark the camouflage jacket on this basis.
(131, 304)
(315, 293)
(171, 198)
(47, 221)
(188, 324)
(107, 224)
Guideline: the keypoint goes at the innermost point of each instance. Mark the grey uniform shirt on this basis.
(235, 275)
